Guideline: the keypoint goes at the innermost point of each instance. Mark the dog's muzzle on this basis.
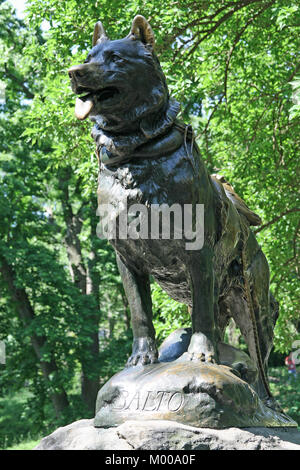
(84, 104)
(86, 80)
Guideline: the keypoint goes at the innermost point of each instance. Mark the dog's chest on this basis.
(144, 173)
(165, 180)
(168, 180)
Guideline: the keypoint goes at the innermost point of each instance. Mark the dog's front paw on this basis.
(144, 352)
(141, 358)
(201, 349)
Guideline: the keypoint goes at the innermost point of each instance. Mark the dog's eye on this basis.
(116, 58)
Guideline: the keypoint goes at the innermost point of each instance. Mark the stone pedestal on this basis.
(191, 393)
(167, 435)
(181, 405)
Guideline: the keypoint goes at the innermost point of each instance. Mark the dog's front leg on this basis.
(203, 342)
(137, 289)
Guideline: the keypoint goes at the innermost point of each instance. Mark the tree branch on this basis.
(235, 42)
(212, 113)
(19, 82)
(276, 219)
(294, 257)
(224, 18)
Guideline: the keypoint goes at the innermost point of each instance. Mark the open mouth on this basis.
(104, 94)
(85, 103)
(107, 93)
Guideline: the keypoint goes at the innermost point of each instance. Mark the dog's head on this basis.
(121, 80)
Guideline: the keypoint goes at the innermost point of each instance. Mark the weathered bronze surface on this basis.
(148, 156)
(176, 344)
(195, 393)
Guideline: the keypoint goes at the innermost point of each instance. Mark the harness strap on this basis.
(155, 148)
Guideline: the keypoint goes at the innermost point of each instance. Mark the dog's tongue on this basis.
(83, 108)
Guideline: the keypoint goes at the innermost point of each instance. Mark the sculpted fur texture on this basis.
(148, 156)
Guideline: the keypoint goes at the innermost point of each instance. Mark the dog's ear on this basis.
(99, 34)
(141, 29)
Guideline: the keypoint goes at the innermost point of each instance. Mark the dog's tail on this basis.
(237, 201)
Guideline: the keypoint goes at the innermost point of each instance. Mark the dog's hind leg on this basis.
(265, 317)
(259, 342)
(137, 290)
(203, 342)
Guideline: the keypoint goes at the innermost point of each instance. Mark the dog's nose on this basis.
(76, 71)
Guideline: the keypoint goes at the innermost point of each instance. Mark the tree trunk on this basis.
(26, 313)
(88, 284)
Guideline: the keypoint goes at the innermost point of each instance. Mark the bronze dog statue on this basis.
(148, 156)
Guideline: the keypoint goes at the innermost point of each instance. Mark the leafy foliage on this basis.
(286, 389)
(234, 66)
(168, 314)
